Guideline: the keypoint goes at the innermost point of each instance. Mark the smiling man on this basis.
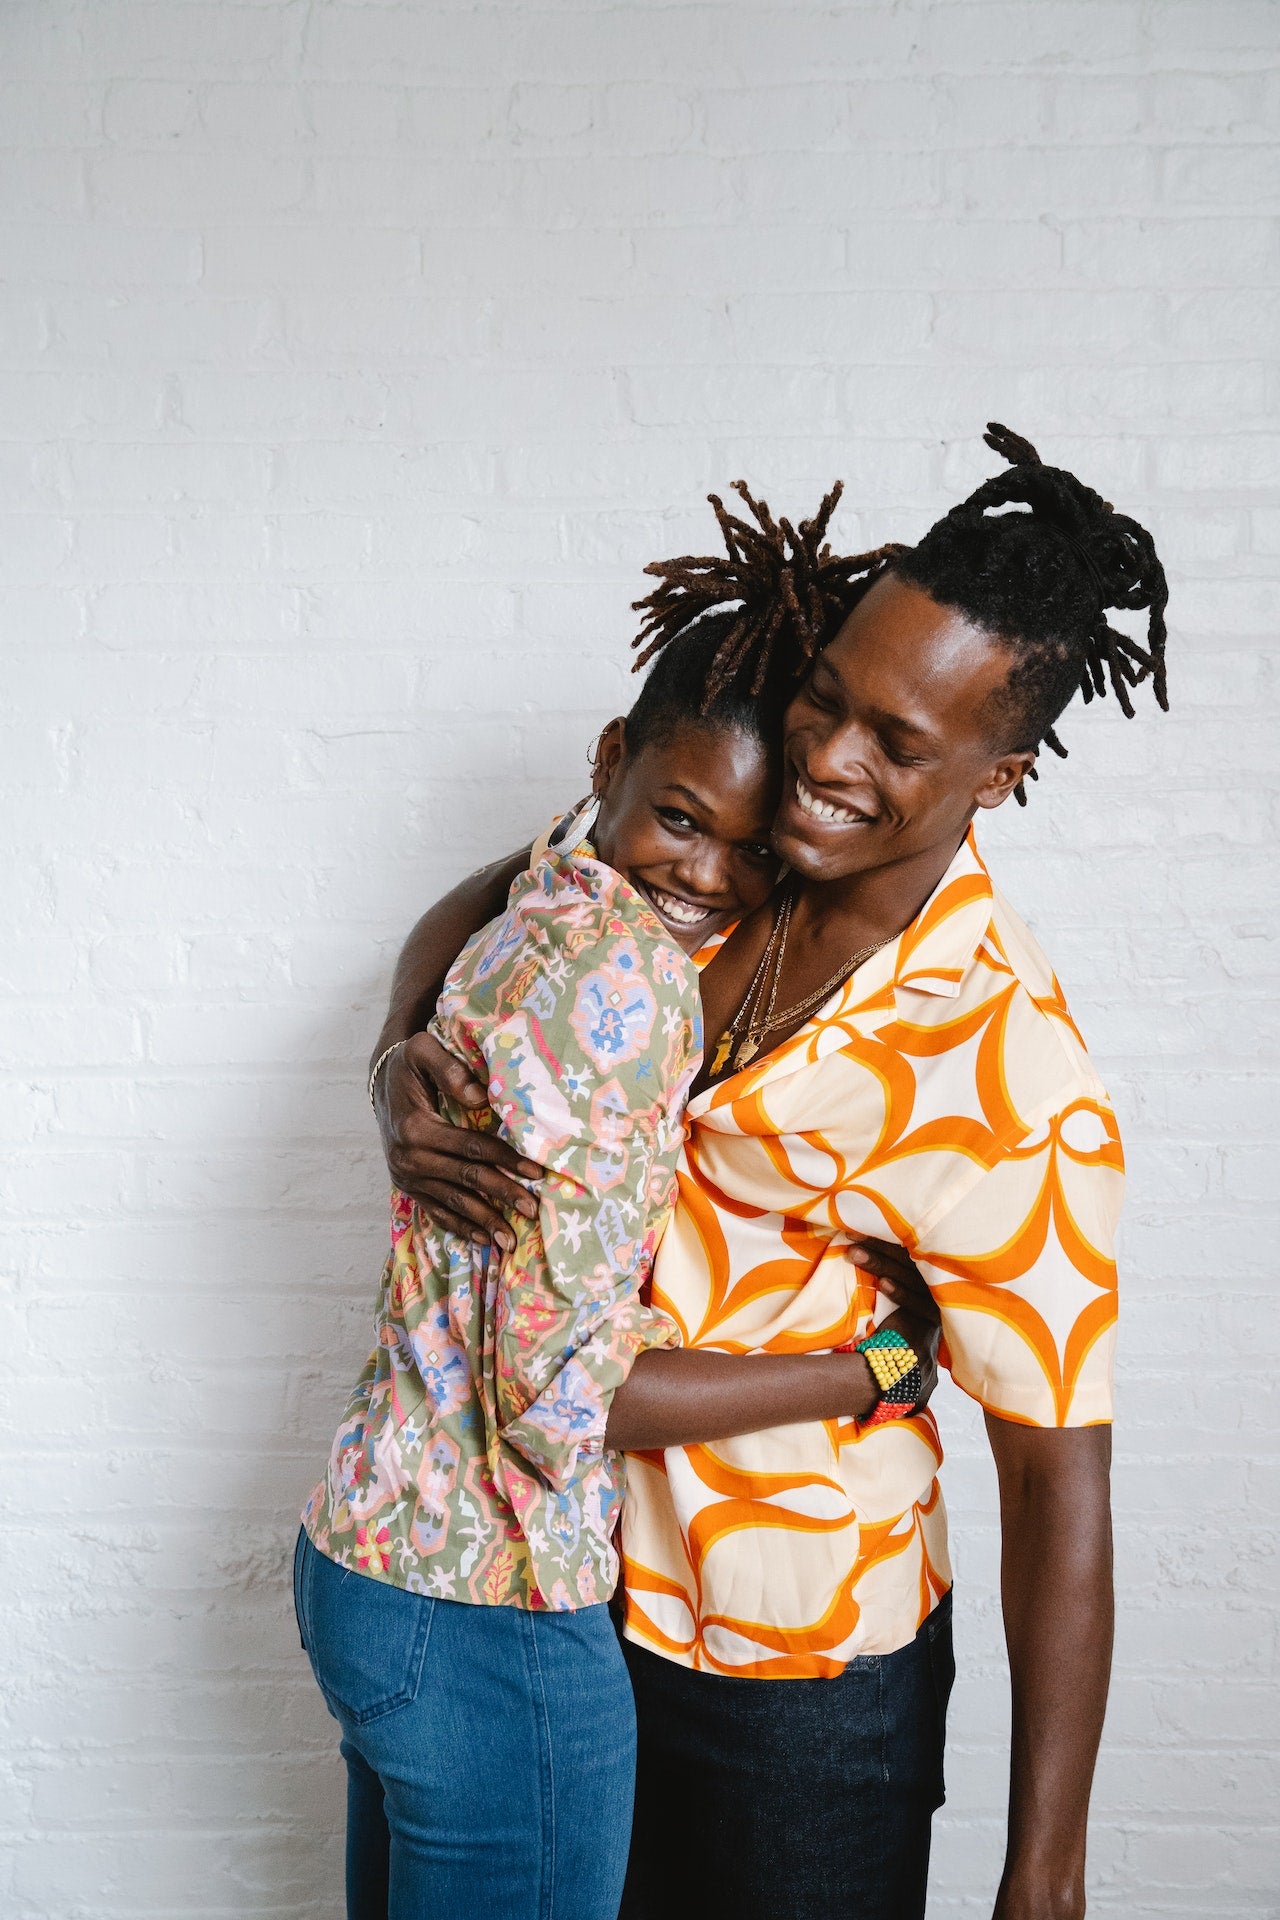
(888, 1054)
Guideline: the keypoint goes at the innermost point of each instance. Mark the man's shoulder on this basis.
(1042, 1022)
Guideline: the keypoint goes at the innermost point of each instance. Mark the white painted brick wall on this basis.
(353, 360)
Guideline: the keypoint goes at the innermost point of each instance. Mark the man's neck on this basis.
(875, 906)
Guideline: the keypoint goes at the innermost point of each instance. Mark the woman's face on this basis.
(687, 821)
(894, 739)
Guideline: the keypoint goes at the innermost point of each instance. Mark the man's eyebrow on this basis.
(898, 723)
(877, 717)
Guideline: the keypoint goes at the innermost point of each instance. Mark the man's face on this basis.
(890, 745)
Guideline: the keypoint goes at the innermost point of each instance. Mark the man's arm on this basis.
(425, 1156)
(1056, 1581)
(437, 940)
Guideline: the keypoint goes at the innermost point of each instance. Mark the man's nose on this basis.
(837, 758)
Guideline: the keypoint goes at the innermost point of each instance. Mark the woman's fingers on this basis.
(894, 1272)
(884, 1259)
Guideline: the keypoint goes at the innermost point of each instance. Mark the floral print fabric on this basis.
(942, 1099)
(470, 1463)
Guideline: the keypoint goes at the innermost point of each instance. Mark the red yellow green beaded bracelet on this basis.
(896, 1367)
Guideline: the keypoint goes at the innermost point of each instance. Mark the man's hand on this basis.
(463, 1180)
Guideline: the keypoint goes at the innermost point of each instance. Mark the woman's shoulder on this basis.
(571, 900)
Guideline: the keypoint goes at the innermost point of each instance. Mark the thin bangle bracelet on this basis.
(378, 1065)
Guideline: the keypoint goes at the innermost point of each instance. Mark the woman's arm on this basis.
(678, 1396)
(462, 1178)
(681, 1396)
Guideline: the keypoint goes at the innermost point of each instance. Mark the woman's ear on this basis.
(607, 756)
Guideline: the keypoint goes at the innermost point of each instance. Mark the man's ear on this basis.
(607, 756)
(1002, 776)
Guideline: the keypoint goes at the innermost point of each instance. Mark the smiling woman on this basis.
(698, 802)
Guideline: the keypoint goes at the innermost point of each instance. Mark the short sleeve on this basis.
(1023, 1270)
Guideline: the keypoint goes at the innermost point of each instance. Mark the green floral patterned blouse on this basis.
(470, 1462)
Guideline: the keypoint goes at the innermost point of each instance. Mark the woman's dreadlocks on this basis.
(1040, 581)
(775, 597)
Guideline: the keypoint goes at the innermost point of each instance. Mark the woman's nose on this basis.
(704, 870)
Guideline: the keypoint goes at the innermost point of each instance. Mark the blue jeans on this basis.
(811, 1799)
(490, 1751)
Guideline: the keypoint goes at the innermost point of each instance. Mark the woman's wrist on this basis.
(856, 1385)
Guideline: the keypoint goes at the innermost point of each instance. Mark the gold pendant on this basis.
(721, 1055)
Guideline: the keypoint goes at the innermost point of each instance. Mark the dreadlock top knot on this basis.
(776, 595)
(1042, 581)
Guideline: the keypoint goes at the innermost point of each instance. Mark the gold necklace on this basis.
(736, 1053)
(728, 1039)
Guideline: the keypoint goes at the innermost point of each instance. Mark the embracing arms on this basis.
(464, 1179)
(425, 1157)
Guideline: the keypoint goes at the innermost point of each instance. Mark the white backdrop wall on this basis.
(354, 358)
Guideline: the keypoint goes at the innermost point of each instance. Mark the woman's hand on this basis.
(463, 1180)
(915, 1314)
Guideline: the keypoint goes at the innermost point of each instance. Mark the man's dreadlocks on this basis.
(1040, 581)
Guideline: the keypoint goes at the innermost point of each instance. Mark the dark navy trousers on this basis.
(809, 1799)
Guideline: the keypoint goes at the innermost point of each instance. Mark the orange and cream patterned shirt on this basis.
(943, 1099)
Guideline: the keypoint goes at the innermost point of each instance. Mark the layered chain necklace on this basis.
(758, 1016)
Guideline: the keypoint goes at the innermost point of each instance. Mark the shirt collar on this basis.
(936, 951)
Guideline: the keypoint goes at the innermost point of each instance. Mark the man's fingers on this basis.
(491, 1151)
(464, 1213)
(423, 1134)
(467, 1185)
(495, 1187)
(445, 1071)
(482, 1192)
(449, 1222)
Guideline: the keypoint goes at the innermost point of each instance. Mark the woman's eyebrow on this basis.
(687, 792)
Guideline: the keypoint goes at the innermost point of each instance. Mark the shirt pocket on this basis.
(367, 1640)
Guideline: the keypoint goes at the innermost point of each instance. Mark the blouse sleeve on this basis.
(588, 1069)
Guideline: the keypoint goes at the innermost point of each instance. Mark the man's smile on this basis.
(815, 808)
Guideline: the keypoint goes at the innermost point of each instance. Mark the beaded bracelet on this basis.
(896, 1367)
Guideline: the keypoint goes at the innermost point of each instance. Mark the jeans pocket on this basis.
(942, 1665)
(298, 1563)
(366, 1639)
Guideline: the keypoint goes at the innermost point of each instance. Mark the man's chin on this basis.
(847, 854)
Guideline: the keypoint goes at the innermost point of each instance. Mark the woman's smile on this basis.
(676, 910)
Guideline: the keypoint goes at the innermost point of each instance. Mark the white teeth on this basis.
(678, 910)
(821, 809)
